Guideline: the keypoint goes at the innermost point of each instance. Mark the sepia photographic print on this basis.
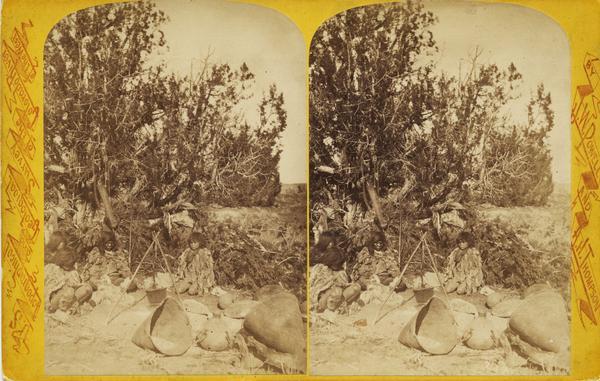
(439, 191)
(174, 190)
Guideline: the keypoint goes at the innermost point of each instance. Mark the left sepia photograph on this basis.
(175, 191)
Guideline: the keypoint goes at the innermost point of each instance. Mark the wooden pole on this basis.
(169, 270)
(437, 274)
(108, 319)
(400, 277)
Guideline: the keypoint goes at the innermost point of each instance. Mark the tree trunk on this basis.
(108, 210)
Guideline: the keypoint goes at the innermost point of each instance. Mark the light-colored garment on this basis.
(196, 271)
(463, 271)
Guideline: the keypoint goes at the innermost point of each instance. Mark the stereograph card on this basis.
(274, 189)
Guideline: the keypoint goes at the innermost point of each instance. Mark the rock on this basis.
(486, 290)
(195, 307)
(352, 293)
(464, 314)
(267, 291)
(182, 218)
(217, 291)
(86, 308)
(542, 321)
(430, 280)
(506, 307)
(63, 299)
(225, 301)
(60, 316)
(547, 360)
(83, 293)
(535, 289)
(286, 362)
(303, 307)
(277, 323)
(239, 309)
(334, 298)
(453, 218)
(494, 299)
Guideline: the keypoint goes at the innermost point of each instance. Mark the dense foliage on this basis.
(379, 114)
(116, 122)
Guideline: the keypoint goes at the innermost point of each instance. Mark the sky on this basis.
(267, 41)
(510, 33)
(274, 50)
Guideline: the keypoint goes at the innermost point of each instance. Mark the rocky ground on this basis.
(360, 342)
(89, 342)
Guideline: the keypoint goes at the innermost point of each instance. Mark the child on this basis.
(463, 270)
(195, 272)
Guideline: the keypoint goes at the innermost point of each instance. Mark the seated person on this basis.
(195, 272)
(463, 269)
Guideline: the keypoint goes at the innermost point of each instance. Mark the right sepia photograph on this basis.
(439, 191)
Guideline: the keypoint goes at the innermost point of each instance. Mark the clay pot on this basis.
(480, 334)
(214, 335)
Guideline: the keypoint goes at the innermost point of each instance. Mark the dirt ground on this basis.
(342, 345)
(85, 344)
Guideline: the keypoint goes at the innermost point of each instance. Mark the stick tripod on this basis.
(424, 247)
(155, 244)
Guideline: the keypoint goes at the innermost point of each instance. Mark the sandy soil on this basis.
(341, 345)
(85, 345)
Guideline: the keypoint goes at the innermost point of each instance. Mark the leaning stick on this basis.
(108, 319)
(437, 274)
(400, 277)
(168, 269)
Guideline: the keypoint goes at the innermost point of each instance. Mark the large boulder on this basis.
(542, 321)
(277, 323)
